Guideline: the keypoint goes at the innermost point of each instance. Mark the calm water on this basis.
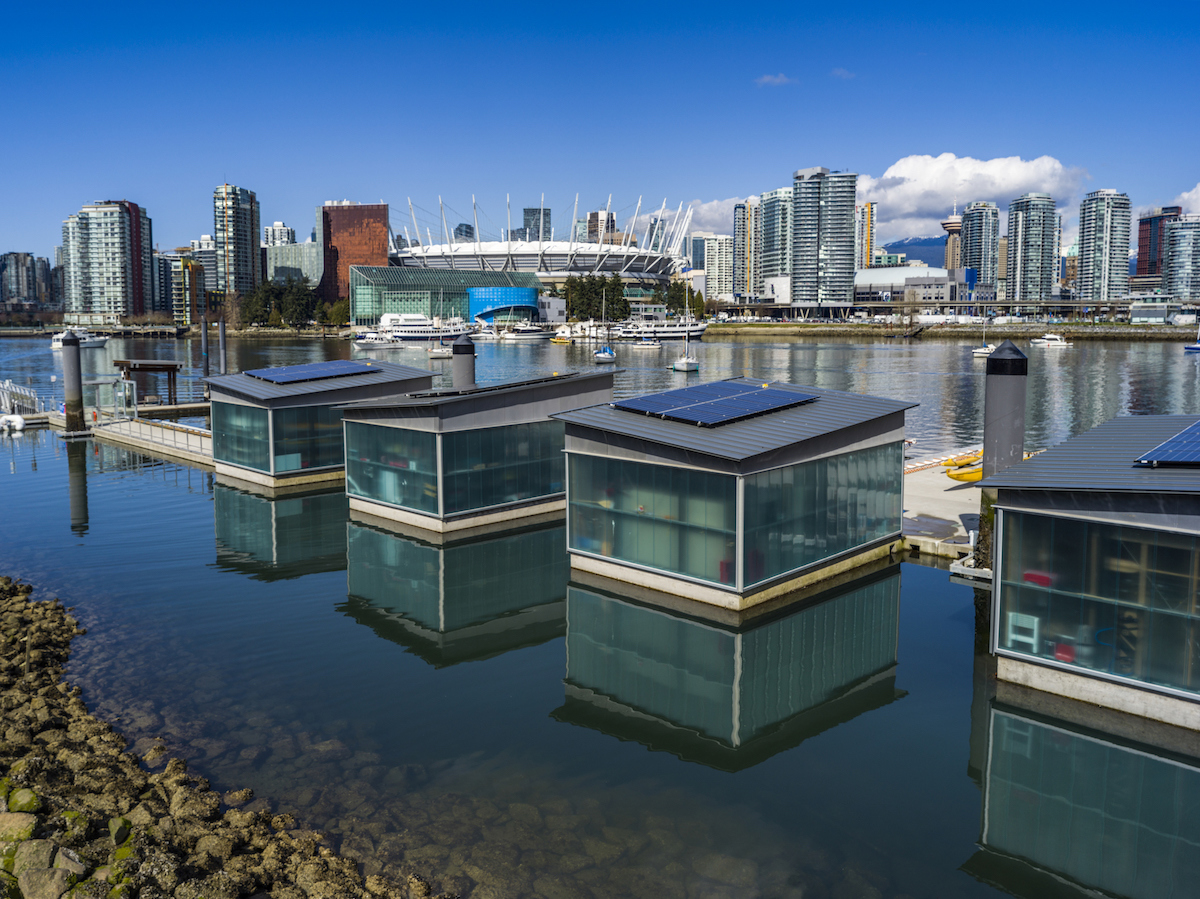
(468, 711)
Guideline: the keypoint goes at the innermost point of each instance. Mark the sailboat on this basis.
(605, 354)
(1193, 347)
(686, 362)
(982, 352)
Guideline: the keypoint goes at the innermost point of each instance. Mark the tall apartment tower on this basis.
(601, 227)
(952, 225)
(18, 278)
(776, 214)
(350, 234)
(1181, 258)
(718, 267)
(1150, 239)
(1033, 231)
(1103, 267)
(864, 234)
(823, 236)
(108, 261)
(236, 229)
(979, 242)
(537, 221)
(747, 248)
(278, 235)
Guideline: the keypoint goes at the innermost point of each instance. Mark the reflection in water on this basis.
(1067, 812)
(731, 697)
(77, 456)
(460, 602)
(275, 539)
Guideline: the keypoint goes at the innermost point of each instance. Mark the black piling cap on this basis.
(1006, 359)
(72, 339)
(464, 344)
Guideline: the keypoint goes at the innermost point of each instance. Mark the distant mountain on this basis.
(930, 250)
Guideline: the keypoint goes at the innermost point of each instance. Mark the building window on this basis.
(240, 436)
(392, 465)
(1109, 599)
(677, 520)
(307, 437)
(496, 466)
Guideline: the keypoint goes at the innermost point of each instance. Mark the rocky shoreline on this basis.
(82, 817)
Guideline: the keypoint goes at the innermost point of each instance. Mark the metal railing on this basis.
(167, 434)
(17, 400)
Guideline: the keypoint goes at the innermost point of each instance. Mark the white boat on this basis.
(1193, 347)
(415, 326)
(87, 340)
(525, 331)
(1049, 340)
(657, 329)
(604, 355)
(485, 333)
(373, 340)
(647, 343)
(686, 362)
(440, 351)
(982, 352)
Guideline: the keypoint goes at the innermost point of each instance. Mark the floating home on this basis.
(734, 492)
(466, 460)
(685, 679)
(458, 601)
(1097, 568)
(280, 427)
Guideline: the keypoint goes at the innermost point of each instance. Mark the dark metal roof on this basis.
(249, 387)
(429, 398)
(832, 411)
(1105, 459)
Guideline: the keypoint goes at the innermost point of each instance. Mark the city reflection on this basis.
(723, 693)
(273, 539)
(462, 601)
(77, 464)
(1068, 811)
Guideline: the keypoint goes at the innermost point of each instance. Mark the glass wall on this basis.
(494, 466)
(240, 436)
(392, 465)
(804, 513)
(677, 520)
(1110, 599)
(307, 437)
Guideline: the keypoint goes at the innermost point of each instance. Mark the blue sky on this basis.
(690, 102)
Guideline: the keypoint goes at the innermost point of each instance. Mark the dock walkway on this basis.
(939, 513)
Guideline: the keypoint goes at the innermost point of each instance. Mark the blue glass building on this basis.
(492, 305)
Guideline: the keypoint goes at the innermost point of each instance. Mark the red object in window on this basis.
(1041, 578)
(1064, 652)
(727, 571)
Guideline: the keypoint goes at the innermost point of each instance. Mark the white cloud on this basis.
(842, 73)
(1189, 200)
(774, 80)
(715, 215)
(917, 192)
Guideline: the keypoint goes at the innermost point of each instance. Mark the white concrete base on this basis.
(728, 599)
(467, 526)
(285, 482)
(1145, 703)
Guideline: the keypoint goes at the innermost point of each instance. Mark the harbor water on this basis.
(470, 713)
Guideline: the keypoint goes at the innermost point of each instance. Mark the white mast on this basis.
(446, 231)
(417, 231)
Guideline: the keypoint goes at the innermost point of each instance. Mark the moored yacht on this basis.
(87, 340)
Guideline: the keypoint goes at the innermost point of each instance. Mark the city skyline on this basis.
(811, 108)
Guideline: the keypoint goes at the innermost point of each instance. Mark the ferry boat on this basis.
(87, 340)
(415, 326)
(657, 329)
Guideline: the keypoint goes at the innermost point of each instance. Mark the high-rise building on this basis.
(979, 242)
(236, 228)
(1033, 231)
(864, 234)
(1150, 253)
(464, 233)
(698, 238)
(108, 263)
(18, 279)
(747, 248)
(189, 299)
(601, 227)
(278, 235)
(351, 234)
(537, 221)
(1002, 270)
(718, 268)
(1103, 268)
(952, 225)
(1181, 258)
(823, 236)
(776, 232)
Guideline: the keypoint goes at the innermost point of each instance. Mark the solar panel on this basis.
(313, 371)
(1182, 449)
(712, 405)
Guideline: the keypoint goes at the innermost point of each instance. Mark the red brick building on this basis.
(352, 234)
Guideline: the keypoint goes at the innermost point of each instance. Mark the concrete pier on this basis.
(939, 513)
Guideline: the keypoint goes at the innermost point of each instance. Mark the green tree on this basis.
(297, 302)
(339, 312)
(618, 306)
(275, 320)
(677, 297)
